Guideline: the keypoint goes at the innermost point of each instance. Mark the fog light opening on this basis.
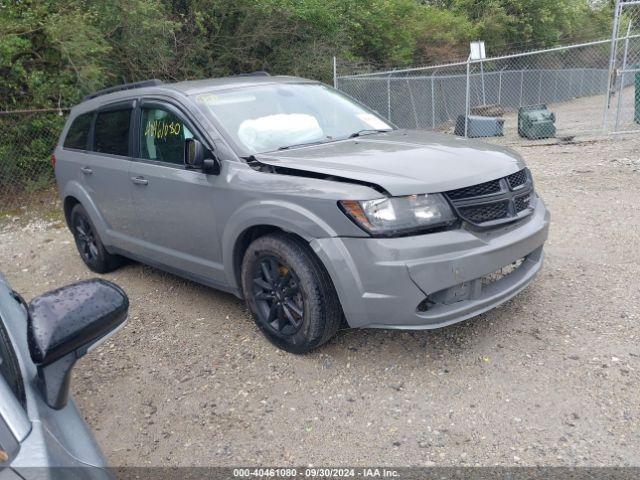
(425, 304)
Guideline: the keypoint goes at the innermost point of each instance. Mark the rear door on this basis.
(174, 205)
(105, 171)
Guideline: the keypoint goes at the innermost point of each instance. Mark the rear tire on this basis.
(89, 244)
(290, 293)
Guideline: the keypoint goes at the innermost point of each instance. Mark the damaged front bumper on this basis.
(433, 280)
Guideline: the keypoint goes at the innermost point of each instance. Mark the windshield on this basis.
(271, 117)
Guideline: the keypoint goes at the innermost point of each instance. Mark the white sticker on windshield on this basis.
(226, 99)
(207, 98)
(373, 121)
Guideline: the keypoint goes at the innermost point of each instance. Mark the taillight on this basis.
(53, 160)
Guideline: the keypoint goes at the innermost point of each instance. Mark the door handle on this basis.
(139, 180)
(86, 170)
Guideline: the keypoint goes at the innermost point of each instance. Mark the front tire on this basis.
(289, 293)
(89, 244)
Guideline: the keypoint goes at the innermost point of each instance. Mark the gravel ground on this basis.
(550, 378)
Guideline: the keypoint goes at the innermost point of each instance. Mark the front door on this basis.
(174, 205)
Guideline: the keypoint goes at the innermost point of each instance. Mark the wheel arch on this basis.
(74, 194)
(247, 237)
(69, 202)
(260, 218)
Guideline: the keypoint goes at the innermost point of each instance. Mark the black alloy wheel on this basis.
(85, 239)
(290, 293)
(89, 244)
(277, 294)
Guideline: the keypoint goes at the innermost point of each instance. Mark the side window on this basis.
(78, 134)
(162, 136)
(112, 132)
(9, 367)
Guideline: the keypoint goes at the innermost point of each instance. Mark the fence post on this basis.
(612, 62)
(484, 95)
(389, 97)
(500, 87)
(467, 100)
(624, 68)
(433, 103)
(335, 73)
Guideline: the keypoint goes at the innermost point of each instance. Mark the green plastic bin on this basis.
(536, 122)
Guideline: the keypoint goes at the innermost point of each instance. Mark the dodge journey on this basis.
(312, 208)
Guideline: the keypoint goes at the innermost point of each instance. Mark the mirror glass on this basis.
(194, 153)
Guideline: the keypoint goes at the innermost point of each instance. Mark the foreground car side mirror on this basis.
(67, 323)
(197, 156)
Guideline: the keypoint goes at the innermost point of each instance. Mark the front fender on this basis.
(277, 213)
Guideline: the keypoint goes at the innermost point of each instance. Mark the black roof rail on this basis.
(259, 73)
(126, 86)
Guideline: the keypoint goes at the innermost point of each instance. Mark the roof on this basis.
(190, 87)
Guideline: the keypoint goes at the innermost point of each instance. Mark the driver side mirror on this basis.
(197, 156)
(66, 324)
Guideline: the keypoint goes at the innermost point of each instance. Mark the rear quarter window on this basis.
(78, 134)
(112, 132)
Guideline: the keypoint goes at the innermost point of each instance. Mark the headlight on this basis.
(397, 215)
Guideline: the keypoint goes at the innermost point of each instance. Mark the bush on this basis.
(28, 140)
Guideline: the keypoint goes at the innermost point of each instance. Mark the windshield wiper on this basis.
(317, 142)
(365, 131)
(368, 131)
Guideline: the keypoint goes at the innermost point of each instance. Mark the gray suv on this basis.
(309, 206)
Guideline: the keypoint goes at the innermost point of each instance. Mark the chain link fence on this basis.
(27, 142)
(583, 89)
(623, 108)
(570, 81)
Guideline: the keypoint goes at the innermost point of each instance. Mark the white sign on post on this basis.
(477, 51)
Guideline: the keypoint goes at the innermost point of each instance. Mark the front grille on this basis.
(517, 179)
(486, 188)
(488, 212)
(494, 202)
(522, 203)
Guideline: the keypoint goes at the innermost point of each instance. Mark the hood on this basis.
(403, 162)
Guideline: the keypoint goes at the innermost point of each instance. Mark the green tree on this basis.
(54, 52)
(48, 52)
(512, 25)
